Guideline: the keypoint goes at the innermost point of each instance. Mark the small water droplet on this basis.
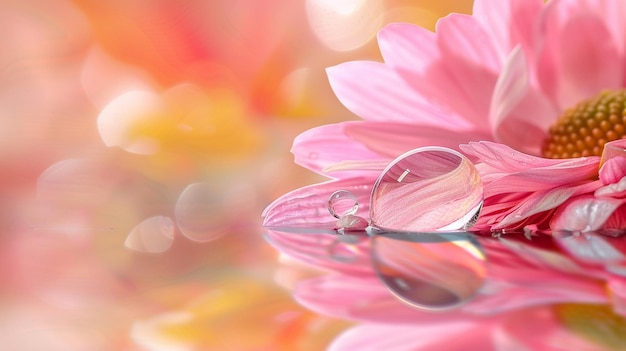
(351, 223)
(342, 203)
(430, 188)
(342, 250)
(433, 271)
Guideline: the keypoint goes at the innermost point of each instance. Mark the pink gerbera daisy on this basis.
(547, 80)
(532, 92)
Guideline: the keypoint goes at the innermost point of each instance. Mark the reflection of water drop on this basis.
(343, 249)
(431, 271)
(198, 213)
(153, 235)
(431, 188)
(342, 203)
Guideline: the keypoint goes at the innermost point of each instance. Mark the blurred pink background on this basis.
(140, 141)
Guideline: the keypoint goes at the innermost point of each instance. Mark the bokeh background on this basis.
(139, 142)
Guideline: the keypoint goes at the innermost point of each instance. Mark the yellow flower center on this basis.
(596, 323)
(584, 129)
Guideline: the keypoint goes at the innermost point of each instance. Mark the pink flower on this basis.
(529, 91)
(505, 74)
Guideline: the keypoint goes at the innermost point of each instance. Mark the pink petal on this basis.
(463, 79)
(516, 106)
(508, 160)
(372, 144)
(511, 87)
(408, 46)
(321, 147)
(537, 202)
(393, 139)
(510, 22)
(613, 170)
(534, 114)
(617, 189)
(585, 213)
(462, 36)
(611, 11)
(617, 219)
(575, 64)
(451, 335)
(308, 206)
(374, 91)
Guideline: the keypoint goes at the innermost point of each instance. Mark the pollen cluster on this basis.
(584, 129)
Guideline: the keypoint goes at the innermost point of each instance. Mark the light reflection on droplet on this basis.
(344, 25)
(430, 188)
(198, 212)
(152, 235)
(342, 203)
(591, 246)
(433, 271)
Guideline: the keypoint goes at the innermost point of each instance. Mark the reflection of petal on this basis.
(590, 247)
(324, 251)
(153, 235)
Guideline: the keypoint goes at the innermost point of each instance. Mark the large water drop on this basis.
(430, 188)
(433, 271)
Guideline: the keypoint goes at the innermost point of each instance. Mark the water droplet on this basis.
(153, 235)
(433, 271)
(430, 188)
(342, 203)
(351, 223)
(343, 249)
(198, 213)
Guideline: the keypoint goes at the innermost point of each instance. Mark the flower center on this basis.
(596, 323)
(584, 129)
